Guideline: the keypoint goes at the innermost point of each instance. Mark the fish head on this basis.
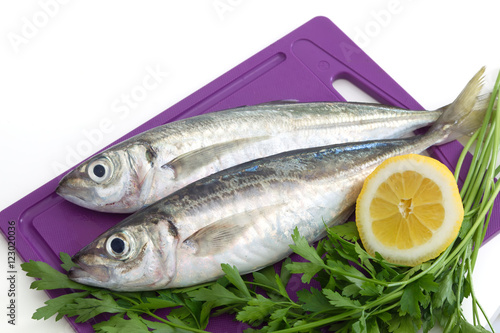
(134, 257)
(108, 182)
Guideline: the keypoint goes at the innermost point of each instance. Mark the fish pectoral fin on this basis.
(146, 186)
(186, 163)
(213, 238)
(222, 234)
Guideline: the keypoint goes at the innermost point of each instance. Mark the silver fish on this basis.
(158, 162)
(245, 215)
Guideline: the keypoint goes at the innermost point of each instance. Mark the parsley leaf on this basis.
(340, 301)
(303, 249)
(86, 308)
(314, 300)
(52, 279)
(55, 305)
(256, 310)
(411, 300)
(235, 278)
(347, 231)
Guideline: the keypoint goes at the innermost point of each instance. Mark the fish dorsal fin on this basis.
(221, 234)
(279, 102)
(270, 103)
(188, 162)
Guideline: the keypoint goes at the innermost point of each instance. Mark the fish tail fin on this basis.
(482, 103)
(465, 115)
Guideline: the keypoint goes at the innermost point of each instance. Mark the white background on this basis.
(67, 73)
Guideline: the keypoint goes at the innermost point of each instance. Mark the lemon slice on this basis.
(409, 210)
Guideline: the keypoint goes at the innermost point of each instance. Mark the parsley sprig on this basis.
(350, 291)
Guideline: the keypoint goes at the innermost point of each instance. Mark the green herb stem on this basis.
(473, 173)
(321, 323)
(358, 277)
(461, 159)
(394, 296)
(128, 299)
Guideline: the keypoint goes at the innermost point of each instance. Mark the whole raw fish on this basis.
(245, 215)
(156, 163)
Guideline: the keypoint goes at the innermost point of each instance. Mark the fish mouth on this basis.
(71, 186)
(89, 274)
(69, 194)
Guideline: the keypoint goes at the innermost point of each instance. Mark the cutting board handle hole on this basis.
(351, 92)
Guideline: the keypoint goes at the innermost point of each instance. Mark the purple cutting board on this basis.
(300, 66)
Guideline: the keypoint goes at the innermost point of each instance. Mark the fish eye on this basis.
(100, 170)
(119, 245)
